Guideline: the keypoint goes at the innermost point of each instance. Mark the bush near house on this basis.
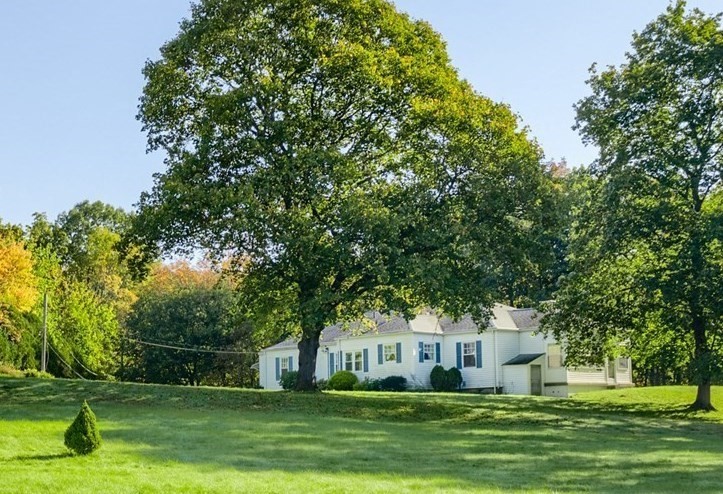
(368, 385)
(445, 380)
(288, 380)
(342, 381)
(393, 383)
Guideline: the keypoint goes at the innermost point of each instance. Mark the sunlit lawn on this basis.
(171, 439)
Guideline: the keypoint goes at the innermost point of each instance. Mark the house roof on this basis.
(375, 323)
(526, 318)
(523, 358)
(503, 317)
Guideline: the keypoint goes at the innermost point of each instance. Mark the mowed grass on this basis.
(174, 439)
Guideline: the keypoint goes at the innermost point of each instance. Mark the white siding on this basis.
(591, 375)
(473, 377)
(354, 344)
(516, 379)
(267, 365)
(557, 381)
(624, 376)
(422, 370)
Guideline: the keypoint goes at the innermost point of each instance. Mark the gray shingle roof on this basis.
(526, 318)
(377, 323)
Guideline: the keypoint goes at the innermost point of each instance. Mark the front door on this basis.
(536, 380)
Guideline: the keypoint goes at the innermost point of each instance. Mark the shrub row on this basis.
(390, 383)
(445, 380)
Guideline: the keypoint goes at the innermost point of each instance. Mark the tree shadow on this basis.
(41, 457)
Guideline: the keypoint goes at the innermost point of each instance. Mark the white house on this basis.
(510, 356)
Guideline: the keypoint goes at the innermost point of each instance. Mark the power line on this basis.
(189, 349)
(66, 363)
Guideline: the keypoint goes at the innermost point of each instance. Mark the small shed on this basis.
(523, 374)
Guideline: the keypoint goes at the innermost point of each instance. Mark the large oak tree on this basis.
(646, 251)
(331, 149)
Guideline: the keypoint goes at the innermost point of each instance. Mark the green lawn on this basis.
(172, 439)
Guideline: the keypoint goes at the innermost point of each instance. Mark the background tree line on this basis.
(102, 299)
(331, 155)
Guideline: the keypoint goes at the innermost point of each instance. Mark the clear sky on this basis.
(70, 78)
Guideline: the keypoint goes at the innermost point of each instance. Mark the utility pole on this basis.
(44, 351)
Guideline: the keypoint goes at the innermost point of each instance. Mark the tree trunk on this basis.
(308, 347)
(702, 398)
(702, 364)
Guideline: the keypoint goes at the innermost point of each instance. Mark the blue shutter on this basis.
(380, 353)
(438, 352)
(459, 355)
(332, 367)
(291, 364)
(399, 353)
(421, 352)
(341, 360)
(366, 360)
(278, 368)
(478, 348)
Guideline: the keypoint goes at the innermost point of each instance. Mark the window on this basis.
(623, 363)
(429, 351)
(284, 365)
(390, 353)
(469, 355)
(554, 356)
(353, 361)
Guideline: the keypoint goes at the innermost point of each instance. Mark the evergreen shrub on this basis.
(82, 437)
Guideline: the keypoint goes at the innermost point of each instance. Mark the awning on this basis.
(523, 358)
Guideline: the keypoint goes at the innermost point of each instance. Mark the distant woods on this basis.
(99, 310)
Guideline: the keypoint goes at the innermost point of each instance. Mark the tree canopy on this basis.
(333, 151)
(646, 251)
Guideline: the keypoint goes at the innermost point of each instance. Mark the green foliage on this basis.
(646, 263)
(82, 436)
(9, 370)
(194, 308)
(393, 383)
(351, 170)
(322, 384)
(368, 385)
(288, 380)
(38, 374)
(454, 378)
(438, 378)
(342, 381)
(445, 380)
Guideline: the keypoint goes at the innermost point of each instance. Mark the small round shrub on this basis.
(82, 437)
(454, 378)
(393, 383)
(438, 378)
(342, 381)
(288, 380)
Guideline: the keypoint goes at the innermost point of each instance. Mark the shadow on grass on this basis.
(56, 456)
(611, 456)
(463, 442)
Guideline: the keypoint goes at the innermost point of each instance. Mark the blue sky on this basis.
(70, 78)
